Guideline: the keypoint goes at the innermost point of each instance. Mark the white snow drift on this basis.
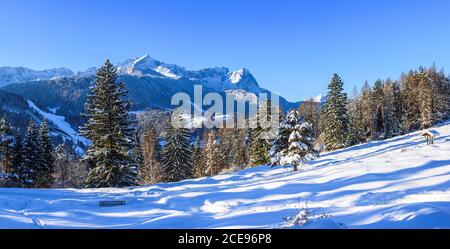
(398, 183)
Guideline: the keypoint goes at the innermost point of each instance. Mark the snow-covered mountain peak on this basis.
(11, 75)
(146, 65)
(318, 98)
(145, 61)
(218, 78)
(237, 75)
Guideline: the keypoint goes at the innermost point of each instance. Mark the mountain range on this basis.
(151, 84)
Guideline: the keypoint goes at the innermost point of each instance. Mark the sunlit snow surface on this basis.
(398, 183)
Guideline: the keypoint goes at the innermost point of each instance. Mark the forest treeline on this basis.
(125, 152)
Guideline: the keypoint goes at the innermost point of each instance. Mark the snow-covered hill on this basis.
(398, 183)
(11, 75)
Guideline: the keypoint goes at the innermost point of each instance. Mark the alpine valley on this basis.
(58, 95)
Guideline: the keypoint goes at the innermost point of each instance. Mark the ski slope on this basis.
(397, 183)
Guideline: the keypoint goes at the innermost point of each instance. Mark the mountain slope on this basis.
(397, 183)
(11, 75)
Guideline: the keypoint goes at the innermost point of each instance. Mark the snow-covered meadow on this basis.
(397, 183)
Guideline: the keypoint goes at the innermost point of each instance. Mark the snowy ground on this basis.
(398, 183)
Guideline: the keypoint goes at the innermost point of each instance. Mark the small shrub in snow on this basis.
(305, 216)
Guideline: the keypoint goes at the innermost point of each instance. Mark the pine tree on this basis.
(6, 140)
(17, 168)
(425, 102)
(377, 109)
(299, 148)
(29, 170)
(366, 115)
(281, 142)
(197, 159)
(137, 150)
(211, 154)
(334, 115)
(440, 100)
(388, 109)
(177, 154)
(44, 178)
(261, 145)
(398, 103)
(411, 119)
(151, 171)
(109, 128)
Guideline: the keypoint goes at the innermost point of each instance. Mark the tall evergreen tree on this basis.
(398, 104)
(261, 145)
(334, 115)
(177, 154)
(377, 109)
(109, 128)
(425, 102)
(29, 170)
(299, 147)
(366, 114)
(6, 140)
(211, 154)
(46, 167)
(197, 159)
(388, 109)
(281, 142)
(17, 168)
(411, 119)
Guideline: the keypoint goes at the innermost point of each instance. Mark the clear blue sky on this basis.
(291, 47)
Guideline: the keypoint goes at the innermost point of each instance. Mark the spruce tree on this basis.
(299, 147)
(17, 168)
(211, 154)
(29, 170)
(388, 109)
(334, 115)
(398, 103)
(366, 114)
(6, 140)
(109, 127)
(281, 142)
(46, 167)
(197, 159)
(425, 102)
(377, 109)
(261, 145)
(177, 153)
(411, 119)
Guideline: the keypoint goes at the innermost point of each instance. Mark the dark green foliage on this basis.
(46, 167)
(6, 140)
(334, 116)
(198, 159)
(177, 154)
(29, 170)
(110, 130)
